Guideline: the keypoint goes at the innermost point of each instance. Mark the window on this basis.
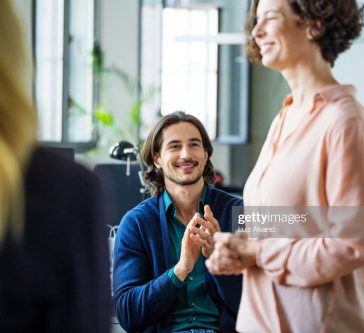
(64, 38)
(232, 123)
(49, 59)
(203, 69)
(189, 67)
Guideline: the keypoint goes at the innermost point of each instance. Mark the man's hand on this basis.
(190, 251)
(232, 254)
(205, 233)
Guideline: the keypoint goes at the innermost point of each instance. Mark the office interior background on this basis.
(107, 69)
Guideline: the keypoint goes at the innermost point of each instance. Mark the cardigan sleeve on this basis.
(225, 290)
(140, 298)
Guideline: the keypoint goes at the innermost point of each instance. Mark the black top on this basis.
(57, 279)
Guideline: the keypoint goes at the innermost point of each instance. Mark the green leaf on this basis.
(135, 112)
(103, 116)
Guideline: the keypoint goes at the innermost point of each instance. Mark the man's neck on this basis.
(186, 199)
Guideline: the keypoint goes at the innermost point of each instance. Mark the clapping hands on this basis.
(204, 234)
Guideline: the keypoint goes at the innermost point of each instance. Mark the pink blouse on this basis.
(309, 285)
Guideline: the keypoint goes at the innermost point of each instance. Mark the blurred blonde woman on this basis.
(18, 124)
(53, 263)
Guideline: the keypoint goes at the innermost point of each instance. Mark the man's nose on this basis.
(185, 152)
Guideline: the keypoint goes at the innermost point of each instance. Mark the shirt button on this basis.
(193, 318)
(191, 278)
(193, 304)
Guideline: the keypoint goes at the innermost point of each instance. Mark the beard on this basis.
(184, 182)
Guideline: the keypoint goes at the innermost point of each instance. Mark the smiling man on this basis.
(160, 280)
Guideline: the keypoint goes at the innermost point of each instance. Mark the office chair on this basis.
(122, 190)
(123, 181)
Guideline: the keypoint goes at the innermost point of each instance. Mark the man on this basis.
(160, 280)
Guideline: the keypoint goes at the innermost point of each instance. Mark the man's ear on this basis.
(156, 161)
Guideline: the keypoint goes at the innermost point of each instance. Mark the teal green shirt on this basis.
(194, 307)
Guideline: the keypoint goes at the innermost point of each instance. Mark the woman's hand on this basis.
(232, 254)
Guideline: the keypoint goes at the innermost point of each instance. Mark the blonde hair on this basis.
(18, 119)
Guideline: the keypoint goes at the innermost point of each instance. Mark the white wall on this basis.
(349, 68)
(119, 36)
(119, 31)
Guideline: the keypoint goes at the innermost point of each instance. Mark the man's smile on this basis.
(186, 166)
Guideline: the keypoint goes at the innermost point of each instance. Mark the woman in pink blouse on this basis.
(313, 156)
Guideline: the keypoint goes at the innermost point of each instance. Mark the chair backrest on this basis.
(122, 191)
(64, 151)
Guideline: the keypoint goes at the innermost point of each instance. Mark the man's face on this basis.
(182, 156)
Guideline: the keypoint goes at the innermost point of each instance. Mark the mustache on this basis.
(186, 161)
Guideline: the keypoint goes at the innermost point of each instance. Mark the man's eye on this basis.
(173, 147)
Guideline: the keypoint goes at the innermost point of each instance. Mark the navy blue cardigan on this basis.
(143, 294)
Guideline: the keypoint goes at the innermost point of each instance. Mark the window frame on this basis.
(81, 146)
(243, 136)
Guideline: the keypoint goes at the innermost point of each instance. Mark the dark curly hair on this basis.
(334, 24)
(153, 177)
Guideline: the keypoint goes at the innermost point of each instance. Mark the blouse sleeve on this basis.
(313, 261)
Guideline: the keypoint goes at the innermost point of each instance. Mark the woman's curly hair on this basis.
(334, 24)
(153, 177)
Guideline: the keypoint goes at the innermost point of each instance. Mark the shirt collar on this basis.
(169, 203)
(327, 94)
(332, 93)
